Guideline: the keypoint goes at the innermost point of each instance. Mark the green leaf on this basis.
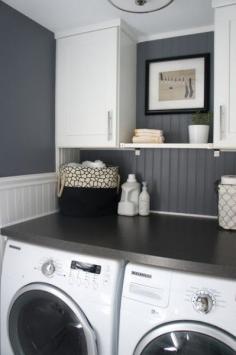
(202, 118)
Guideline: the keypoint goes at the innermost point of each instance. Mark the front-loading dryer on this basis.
(166, 312)
(57, 302)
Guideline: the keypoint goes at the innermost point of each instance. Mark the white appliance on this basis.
(57, 302)
(168, 312)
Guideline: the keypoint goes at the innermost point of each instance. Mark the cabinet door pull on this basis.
(109, 124)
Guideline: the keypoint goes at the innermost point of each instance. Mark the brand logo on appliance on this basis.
(141, 274)
(14, 247)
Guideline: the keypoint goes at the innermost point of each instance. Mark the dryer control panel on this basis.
(147, 285)
(203, 301)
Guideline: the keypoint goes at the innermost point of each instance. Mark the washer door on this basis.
(186, 339)
(45, 321)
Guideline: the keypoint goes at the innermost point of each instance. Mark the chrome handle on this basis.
(109, 123)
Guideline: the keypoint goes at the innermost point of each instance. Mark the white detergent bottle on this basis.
(144, 201)
(128, 205)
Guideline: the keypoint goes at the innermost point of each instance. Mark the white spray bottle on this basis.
(144, 201)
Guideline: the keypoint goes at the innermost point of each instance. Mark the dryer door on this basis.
(186, 339)
(45, 321)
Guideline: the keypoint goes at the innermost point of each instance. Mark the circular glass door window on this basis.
(40, 323)
(186, 343)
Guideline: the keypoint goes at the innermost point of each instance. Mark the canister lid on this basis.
(228, 180)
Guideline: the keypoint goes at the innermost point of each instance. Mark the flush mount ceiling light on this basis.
(140, 6)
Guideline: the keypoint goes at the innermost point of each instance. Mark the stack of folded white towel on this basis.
(148, 136)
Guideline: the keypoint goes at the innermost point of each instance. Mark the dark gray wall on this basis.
(175, 126)
(179, 180)
(27, 77)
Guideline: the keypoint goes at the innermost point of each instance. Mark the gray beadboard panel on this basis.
(27, 95)
(165, 180)
(191, 179)
(140, 164)
(156, 179)
(181, 176)
(175, 126)
(174, 193)
(210, 178)
(200, 179)
(179, 180)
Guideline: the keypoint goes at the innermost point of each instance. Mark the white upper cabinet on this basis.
(95, 88)
(225, 74)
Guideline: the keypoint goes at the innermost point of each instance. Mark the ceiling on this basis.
(62, 15)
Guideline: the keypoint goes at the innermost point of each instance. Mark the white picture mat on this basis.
(156, 68)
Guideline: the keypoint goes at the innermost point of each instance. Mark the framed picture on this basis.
(177, 85)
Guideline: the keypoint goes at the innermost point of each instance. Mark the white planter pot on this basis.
(198, 133)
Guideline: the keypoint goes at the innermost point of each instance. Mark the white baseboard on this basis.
(26, 197)
(184, 214)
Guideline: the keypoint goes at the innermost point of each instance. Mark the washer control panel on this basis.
(88, 275)
(78, 272)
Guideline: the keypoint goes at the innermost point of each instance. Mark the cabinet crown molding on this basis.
(99, 26)
(221, 3)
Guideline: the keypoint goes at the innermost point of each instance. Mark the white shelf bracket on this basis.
(216, 153)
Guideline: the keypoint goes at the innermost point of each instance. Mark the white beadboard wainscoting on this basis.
(26, 197)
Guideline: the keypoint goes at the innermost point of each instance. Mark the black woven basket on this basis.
(78, 200)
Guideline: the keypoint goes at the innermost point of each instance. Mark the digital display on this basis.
(92, 268)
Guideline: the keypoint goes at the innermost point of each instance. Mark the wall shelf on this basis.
(166, 146)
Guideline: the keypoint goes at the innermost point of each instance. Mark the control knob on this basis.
(203, 302)
(48, 268)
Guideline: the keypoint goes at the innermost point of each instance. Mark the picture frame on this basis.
(177, 84)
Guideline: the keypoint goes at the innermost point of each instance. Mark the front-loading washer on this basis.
(170, 312)
(57, 302)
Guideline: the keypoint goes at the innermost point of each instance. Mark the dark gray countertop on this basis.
(181, 243)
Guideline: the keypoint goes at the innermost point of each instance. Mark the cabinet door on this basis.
(225, 74)
(86, 89)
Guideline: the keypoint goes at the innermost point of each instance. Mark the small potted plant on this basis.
(199, 130)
